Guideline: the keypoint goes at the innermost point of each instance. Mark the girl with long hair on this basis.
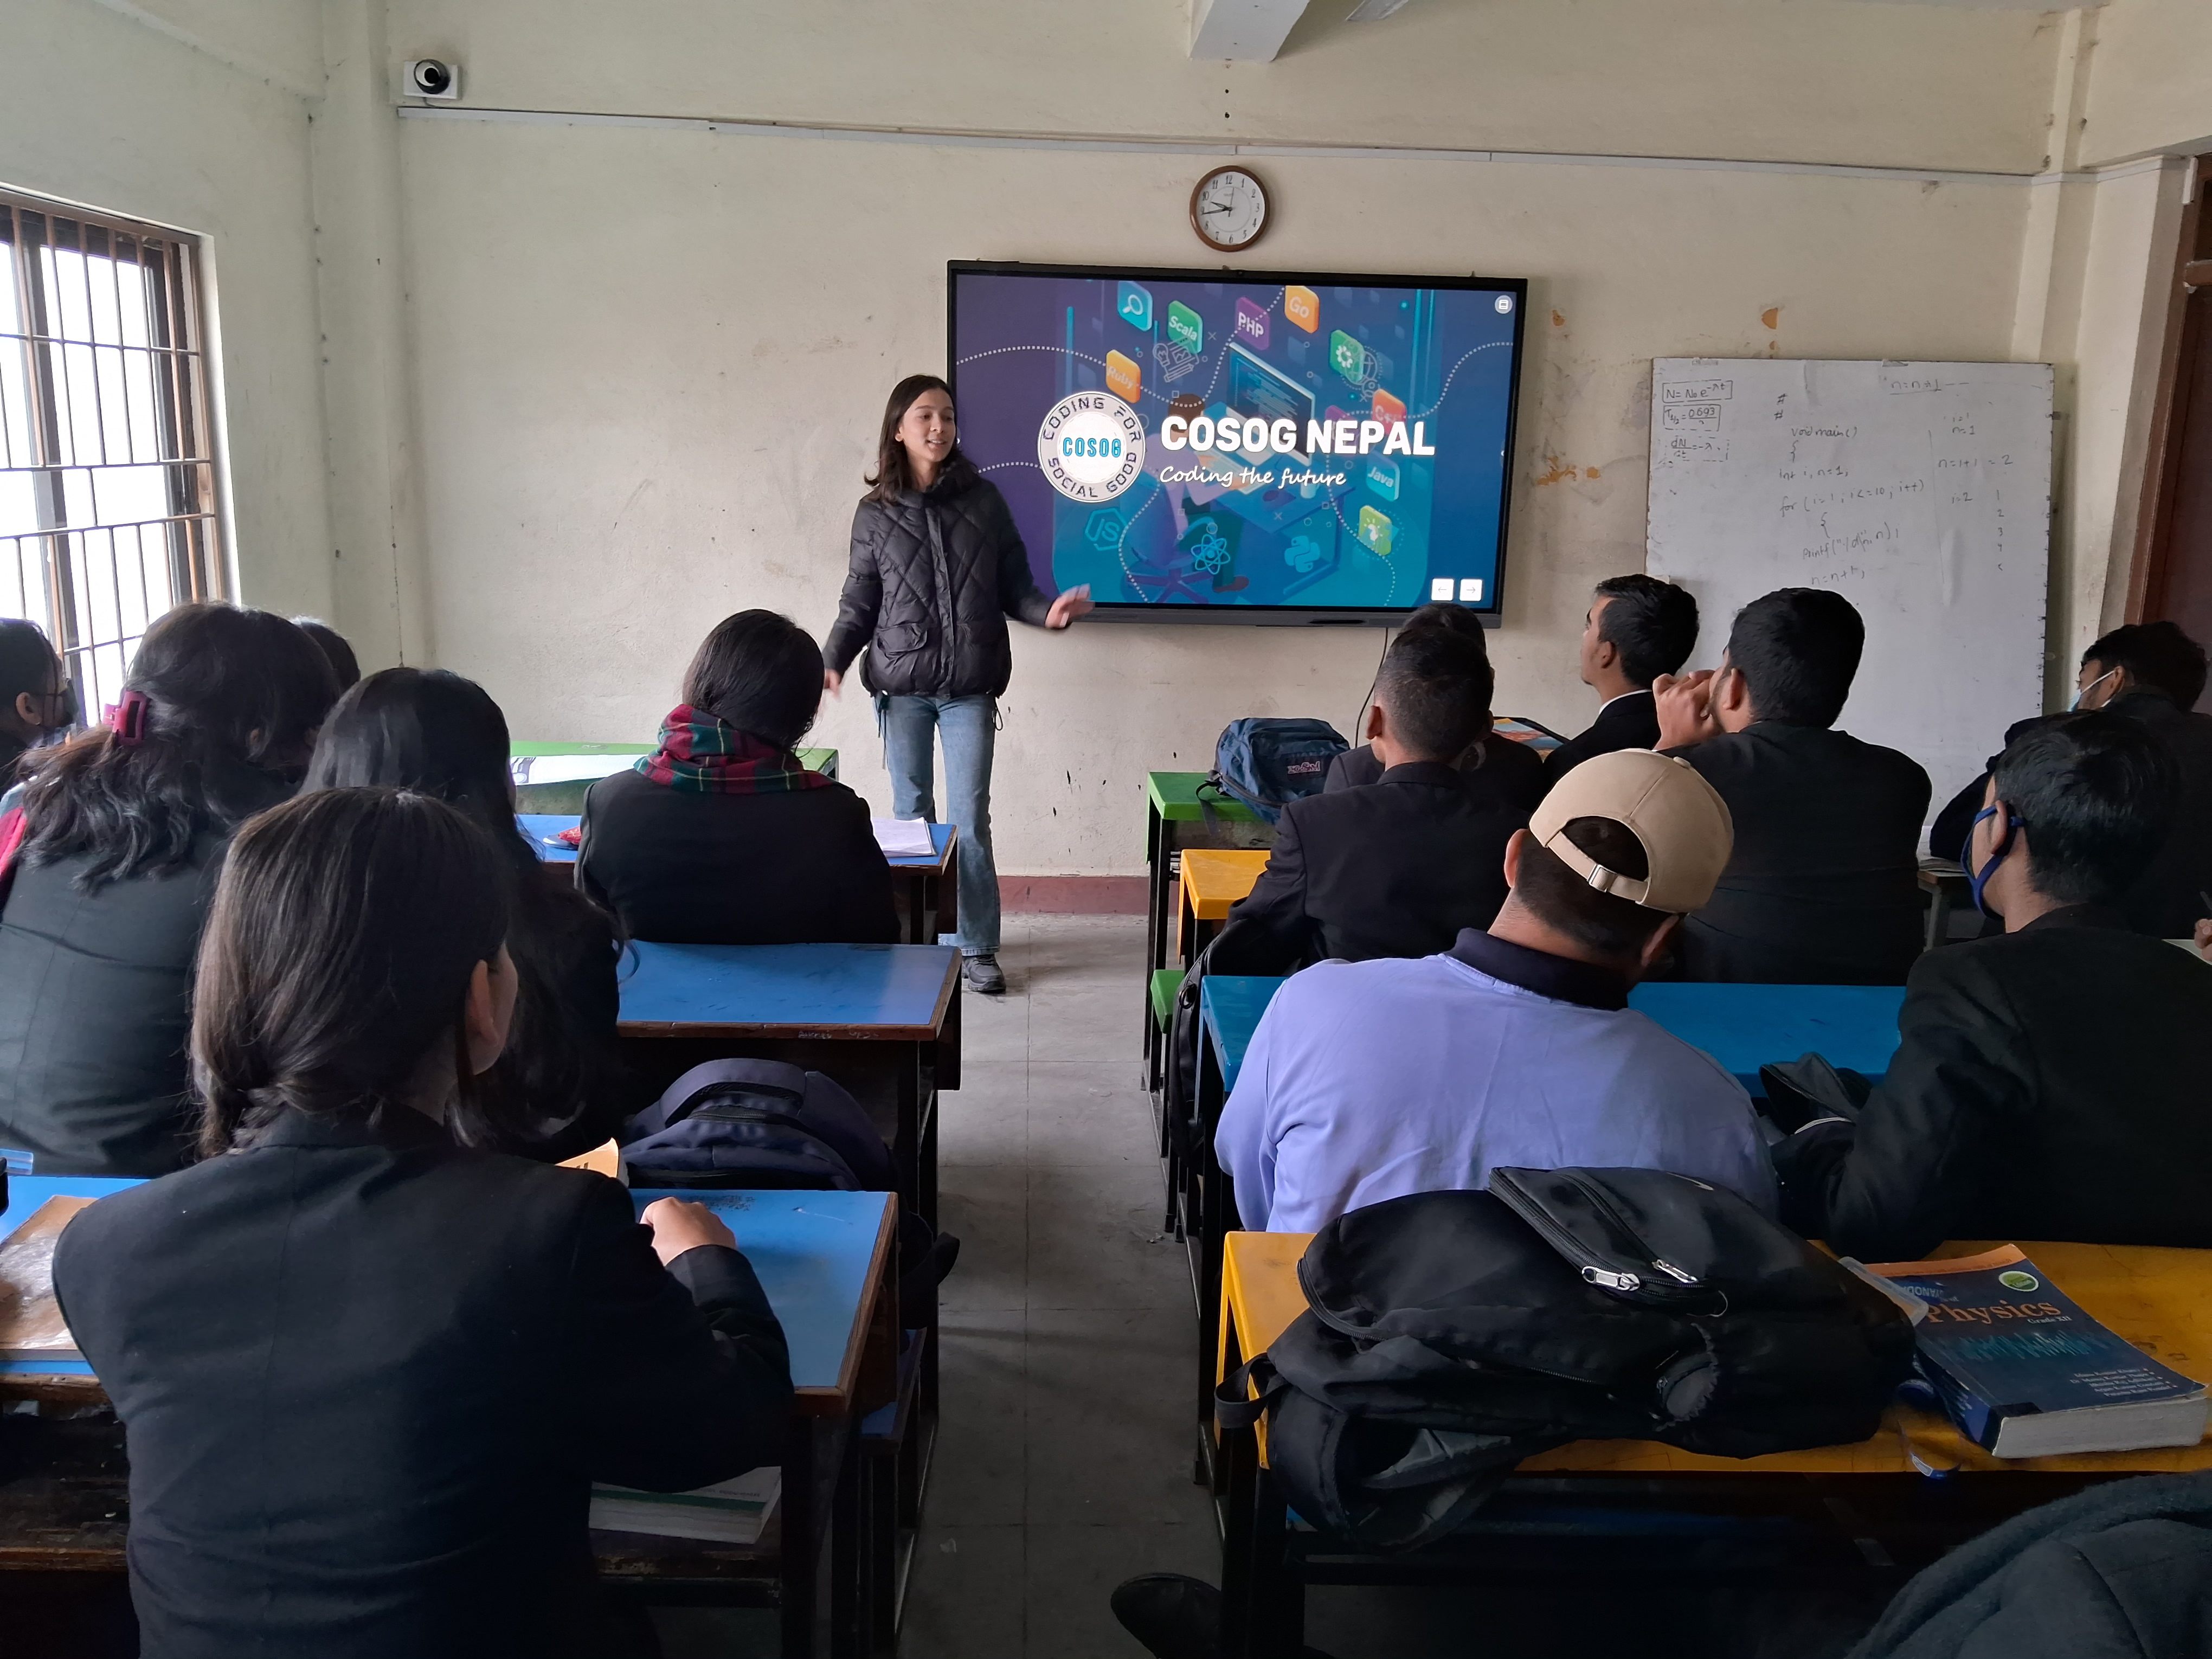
(123, 832)
(366, 1374)
(561, 1087)
(936, 568)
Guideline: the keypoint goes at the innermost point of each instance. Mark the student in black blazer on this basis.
(2051, 1081)
(1823, 887)
(1395, 868)
(1497, 768)
(561, 1087)
(721, 837)
(1637, 629)
(125, 829)
(2153, 673)
(368, 1376)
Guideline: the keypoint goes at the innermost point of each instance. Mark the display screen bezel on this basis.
(1266, 615)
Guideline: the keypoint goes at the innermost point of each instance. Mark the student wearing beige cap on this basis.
(1369, 1080)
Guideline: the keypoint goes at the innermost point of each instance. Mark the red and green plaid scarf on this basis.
(703, 756)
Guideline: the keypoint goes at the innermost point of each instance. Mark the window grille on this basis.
(108, 486)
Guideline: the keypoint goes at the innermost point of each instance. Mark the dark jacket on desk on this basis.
(95, 1004)
(932, 578)
(1390, 869)
(2054, 1083)
(798, 867)
(2164, 899)
(1629, 721)
(367, 1378)
(1508, 773)
(1823, 887)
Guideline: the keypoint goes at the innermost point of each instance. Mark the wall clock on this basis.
(1228, 209)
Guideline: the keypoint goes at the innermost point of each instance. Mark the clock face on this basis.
(1229, 209)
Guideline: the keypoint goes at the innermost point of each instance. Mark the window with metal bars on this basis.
(107, 488)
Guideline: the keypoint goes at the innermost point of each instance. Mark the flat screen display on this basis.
(1256, 446)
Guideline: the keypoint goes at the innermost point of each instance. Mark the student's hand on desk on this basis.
(1685, 706)
(832, 681)
(678, 1224)
(2204, 937)
(1069, 606)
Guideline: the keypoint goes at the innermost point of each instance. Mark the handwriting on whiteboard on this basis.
(1697, 391)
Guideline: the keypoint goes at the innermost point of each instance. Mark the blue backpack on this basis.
(756, 1123)
(1269, 763)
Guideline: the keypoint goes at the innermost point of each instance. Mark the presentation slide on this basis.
(1184, 441)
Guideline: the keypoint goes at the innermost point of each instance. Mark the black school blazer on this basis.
(1397, 868)
(796, 868)
(367, 1378)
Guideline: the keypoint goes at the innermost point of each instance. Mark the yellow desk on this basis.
(2159, 1299)
(1213, 880)
(1868, 1498)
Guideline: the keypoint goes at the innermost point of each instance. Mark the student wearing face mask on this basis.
(2050, 1082)
(35, 698)
(2153, 673)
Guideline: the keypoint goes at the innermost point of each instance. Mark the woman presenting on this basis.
(937, 568)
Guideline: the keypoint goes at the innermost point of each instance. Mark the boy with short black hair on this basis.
(1366, 1081)
(1637, 629)
(2153, 673)
(2051, 1082)
(1824, 887)
(1397, 867)
(1493, 765)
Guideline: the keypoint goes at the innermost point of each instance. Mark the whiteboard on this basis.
(1919, 491)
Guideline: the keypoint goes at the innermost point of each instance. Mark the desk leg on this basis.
(800, 1555)
(1240, 1465)
(1203, 1233)
(1939, 917)
(1156, 906)
(851, 1592)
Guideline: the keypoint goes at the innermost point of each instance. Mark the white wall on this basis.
(2151, 90)
(651, 363)
(104, 111)
(1790, 80)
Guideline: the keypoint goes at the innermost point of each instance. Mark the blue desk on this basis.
(1747, 1026)
(1201, 1199)
(25, 1194)
(542, 827)
(539, 828)
(824, 1260)
(879, 992)
(1230, 1006)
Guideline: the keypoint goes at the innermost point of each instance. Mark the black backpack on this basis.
(1449, 1335)
(767, 1125)
(1267, 763)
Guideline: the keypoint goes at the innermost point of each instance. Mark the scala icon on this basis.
(1090, 446)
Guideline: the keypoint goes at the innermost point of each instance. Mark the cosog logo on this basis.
(1092, 446)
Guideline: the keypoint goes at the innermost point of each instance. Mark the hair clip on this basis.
(127, 719)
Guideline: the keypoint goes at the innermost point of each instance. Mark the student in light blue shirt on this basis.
(1369, 1080)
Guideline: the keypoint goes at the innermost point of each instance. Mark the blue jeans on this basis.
(968, 726)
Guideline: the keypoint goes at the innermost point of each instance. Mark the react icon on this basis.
(1135, 305)
(1210, 550)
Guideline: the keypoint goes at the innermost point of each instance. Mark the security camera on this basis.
(432, 77)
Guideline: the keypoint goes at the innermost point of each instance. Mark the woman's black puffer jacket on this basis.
(934, 576)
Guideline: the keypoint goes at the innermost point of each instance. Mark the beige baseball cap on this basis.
(1681, 820)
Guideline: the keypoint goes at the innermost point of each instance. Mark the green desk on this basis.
(1175, 819)
(552, 777)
